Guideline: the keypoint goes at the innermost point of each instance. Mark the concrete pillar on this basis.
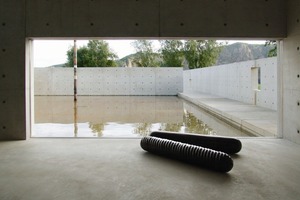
(280, 89)
(29, 85)
(12, 70)
(290, 73)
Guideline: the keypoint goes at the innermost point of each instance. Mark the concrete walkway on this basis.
(250, 118)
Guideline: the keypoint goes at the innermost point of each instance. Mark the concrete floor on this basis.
(120, 169)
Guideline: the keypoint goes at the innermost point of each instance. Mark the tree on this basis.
(273, 51)
(172, 53)
(96, 54)
(145, 55)
(201, 53)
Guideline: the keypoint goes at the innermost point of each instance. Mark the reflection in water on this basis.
(97, 129)
(195, 125)
(190, 124)
(175, 127)
(122, 117)
(142, 129)
(75, 120)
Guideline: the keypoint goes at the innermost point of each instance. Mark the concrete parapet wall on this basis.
(238, 81)
(108, 81)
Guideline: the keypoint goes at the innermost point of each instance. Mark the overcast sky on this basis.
(53, 52)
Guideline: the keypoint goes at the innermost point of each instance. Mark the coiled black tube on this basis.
(224, 144)
(203, 157)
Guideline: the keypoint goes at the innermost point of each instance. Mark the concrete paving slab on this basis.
(253, 119)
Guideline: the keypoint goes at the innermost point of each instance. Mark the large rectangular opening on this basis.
(107, 108)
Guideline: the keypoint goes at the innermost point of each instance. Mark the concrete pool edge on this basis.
(249, 118)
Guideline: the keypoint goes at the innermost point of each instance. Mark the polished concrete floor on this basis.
(64, 169)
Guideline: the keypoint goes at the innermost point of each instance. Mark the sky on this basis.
(53, 52)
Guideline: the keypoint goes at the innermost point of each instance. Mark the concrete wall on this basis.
(267, 96)
(109, 81)
(155, 18)
(12, 70)
(238, 81)
(21, 19)
(289, 77)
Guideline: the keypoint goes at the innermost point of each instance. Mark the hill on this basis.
(236, 52)
(239, 52)
(125, 61)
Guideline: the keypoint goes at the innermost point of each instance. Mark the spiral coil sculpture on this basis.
(191, 153)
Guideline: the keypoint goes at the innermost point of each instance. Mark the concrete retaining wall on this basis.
(238, 81)
(109, 81)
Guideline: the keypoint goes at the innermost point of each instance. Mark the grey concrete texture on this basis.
(265, 169)
(253, 119)
(290, 76)
(238, 81)
(109, 81)
(155, 18)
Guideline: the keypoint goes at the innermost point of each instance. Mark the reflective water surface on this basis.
(122, 116)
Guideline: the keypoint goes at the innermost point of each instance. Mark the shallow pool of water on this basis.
(122, 117)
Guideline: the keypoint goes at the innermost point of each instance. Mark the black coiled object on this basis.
(203, 157)
(218, 143)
